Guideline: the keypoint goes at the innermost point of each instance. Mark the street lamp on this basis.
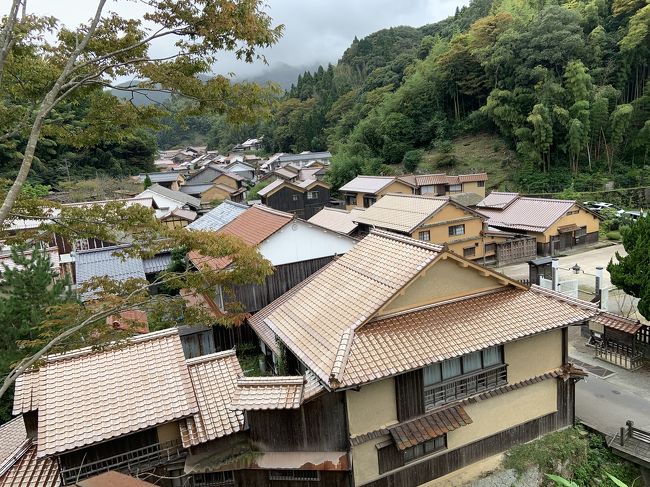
(576, 268)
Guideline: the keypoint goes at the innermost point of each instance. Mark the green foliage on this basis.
(253, 192)
(585, 456)
(147, 182)
(27, 291)
(411, 160)
(613, 235)
(632, 272)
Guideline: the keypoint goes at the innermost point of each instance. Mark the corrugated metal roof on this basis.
(402, 213)
(104, 263)
(174, 195)
(262, 393)
(87, 396)
(158, 263)
(160, 177)
(218, 217)
(196, 189)
(337, 220)
(253, 226)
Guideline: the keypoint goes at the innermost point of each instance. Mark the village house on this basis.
(292, 173)
(166, 200)
(304, 159)
(170, 180)
(557, 225)
(178, 218)
(214, 182)
(145, 405)
(364, 191)
(294, 247)
(443, 221)
(338, 220)
(301, 198)
(250, 145)
(444, 363)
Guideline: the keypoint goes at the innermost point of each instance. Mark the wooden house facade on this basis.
(556, 225)
(416, 411)
(301, 198)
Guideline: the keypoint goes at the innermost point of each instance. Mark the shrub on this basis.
(411, 160)
(614, 235)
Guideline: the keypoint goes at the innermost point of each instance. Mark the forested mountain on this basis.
(563, 84)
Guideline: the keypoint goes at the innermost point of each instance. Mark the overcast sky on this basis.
(316, 31)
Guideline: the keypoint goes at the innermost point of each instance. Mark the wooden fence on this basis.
(517, 250)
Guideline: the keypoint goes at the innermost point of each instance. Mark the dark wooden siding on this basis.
(389, 458)
(260, 478)
(197, 341)
(283, 200)
(227, 337)
(409, 393)
(318, 425)
(461, 457)
(314, 206)
(254, 296)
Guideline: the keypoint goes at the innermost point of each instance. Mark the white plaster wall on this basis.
(300, 241)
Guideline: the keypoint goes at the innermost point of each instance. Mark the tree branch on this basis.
(7, 35)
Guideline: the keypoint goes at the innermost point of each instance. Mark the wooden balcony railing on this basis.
(618, 354)
(465, 385)
(132, 461)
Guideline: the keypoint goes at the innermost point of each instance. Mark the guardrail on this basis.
(465, 385)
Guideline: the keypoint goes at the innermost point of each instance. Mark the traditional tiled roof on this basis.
(411, 340)
(369, 184)
(467, 178)
(260, 393)
(466, 199)
(337, 220)
(253, 226)
(13, 440)
(26, 392)
(527, 214)
(497, 200)
(197, 189)
(214, 377)
(86, 397)
(618, 322)
(401, 213)
(157, 263)
(429, 426)
(286, 172)
(219, 216)
(317, 322)
(188, 215)
(30, 471)
(433, 179)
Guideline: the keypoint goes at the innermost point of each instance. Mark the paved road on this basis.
(588, 261)
(606, 406)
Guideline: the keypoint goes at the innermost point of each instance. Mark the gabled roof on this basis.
(328, 322)
(337, 220)
(13, 441)
(161, 177)
(103, 262)
(213, 377)
(497, 200)
(371, 184)
(262, 393)
(618, 322)
(87, 396)
(206, 174)
(523, 213)
(219, 216)
(174, 195)
(318, 321)
(188, 215)
(270, 187)
(300, 186)
(253, 226)
(403, 213)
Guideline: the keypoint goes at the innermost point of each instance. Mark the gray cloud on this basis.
(316, 31)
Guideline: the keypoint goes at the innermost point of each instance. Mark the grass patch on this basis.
(613, 235)
(475, 153)
(249, 359)
(573, 453)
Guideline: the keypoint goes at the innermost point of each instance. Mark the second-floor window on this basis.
(464, 376)
(425, 236)
(480, 184)
(455, 188)
(312, 195)
(369, 201)
(350, 199)
(294, 197)
(456, 230)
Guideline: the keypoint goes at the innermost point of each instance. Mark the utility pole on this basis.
(599, 286)
(555, 264)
